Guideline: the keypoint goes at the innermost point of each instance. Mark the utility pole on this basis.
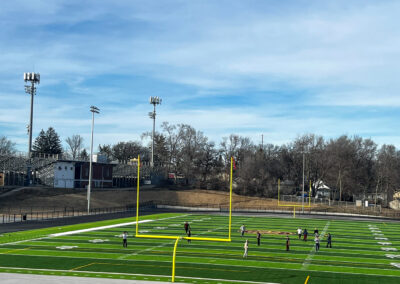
(34, 78)
(154, 101)
(93, 110)
(262, 141)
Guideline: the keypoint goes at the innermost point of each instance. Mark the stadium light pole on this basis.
(302, 203)
(93, 110)
(154, 101)
(34, 78)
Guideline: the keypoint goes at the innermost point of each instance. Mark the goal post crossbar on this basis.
(193, 238)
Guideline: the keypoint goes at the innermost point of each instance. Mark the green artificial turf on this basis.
(356, 256)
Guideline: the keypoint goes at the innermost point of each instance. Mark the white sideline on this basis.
(96, 228)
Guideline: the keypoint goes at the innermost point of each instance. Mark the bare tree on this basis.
(123, 151)
(6, 146)
(106, 150)
(387, 165)
(75, 144)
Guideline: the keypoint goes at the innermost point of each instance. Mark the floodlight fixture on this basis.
(94, 109)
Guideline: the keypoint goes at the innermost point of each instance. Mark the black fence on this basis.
(35, 214)
(43, 213)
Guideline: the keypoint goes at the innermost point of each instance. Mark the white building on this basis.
(64, 174)
(322, 190)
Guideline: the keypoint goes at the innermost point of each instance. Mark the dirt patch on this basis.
(42, 199)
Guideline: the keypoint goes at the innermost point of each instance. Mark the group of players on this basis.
(300, 233)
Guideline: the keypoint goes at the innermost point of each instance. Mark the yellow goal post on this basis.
(294, 205)
(177, 238)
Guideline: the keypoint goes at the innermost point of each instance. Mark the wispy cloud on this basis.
(247, 67)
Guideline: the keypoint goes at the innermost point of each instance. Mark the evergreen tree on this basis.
(48, 142)
(40, 145)
(84, 155)
(54, 141)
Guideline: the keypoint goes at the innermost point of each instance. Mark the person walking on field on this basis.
(125, 239)
(316, 232)
(316, 243)
(305, 234)
(299, 231)
(258, 238)
(189, 234)
(187, 227)
(329, 241)
(246, 248)
(287, 243)
(242, 230)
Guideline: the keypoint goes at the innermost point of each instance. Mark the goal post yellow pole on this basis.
(137, 195)
(177, 238)
(294, 211)
(174, 259)
(230, 200)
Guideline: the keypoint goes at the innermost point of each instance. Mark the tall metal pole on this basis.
(31, 120)
(303, 185)
(29, 166)
(154, 101)
(34, 78)
(154, 131)
(262, 141)
(93, 109)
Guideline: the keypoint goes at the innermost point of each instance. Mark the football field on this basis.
(362, 251)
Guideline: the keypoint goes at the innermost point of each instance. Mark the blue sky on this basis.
(278, 68)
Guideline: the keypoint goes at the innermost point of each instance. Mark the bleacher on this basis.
(14, 167)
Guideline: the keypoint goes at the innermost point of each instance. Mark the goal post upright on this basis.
(173, 260)
(137, 195)
(230, 200)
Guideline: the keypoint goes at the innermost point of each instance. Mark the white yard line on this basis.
(241, 266)
(97, 228)
(92, 229)
(310, 256)
(145, 250)
(131, 274)
(109, 226)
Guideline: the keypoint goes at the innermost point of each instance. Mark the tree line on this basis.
(348, 165)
